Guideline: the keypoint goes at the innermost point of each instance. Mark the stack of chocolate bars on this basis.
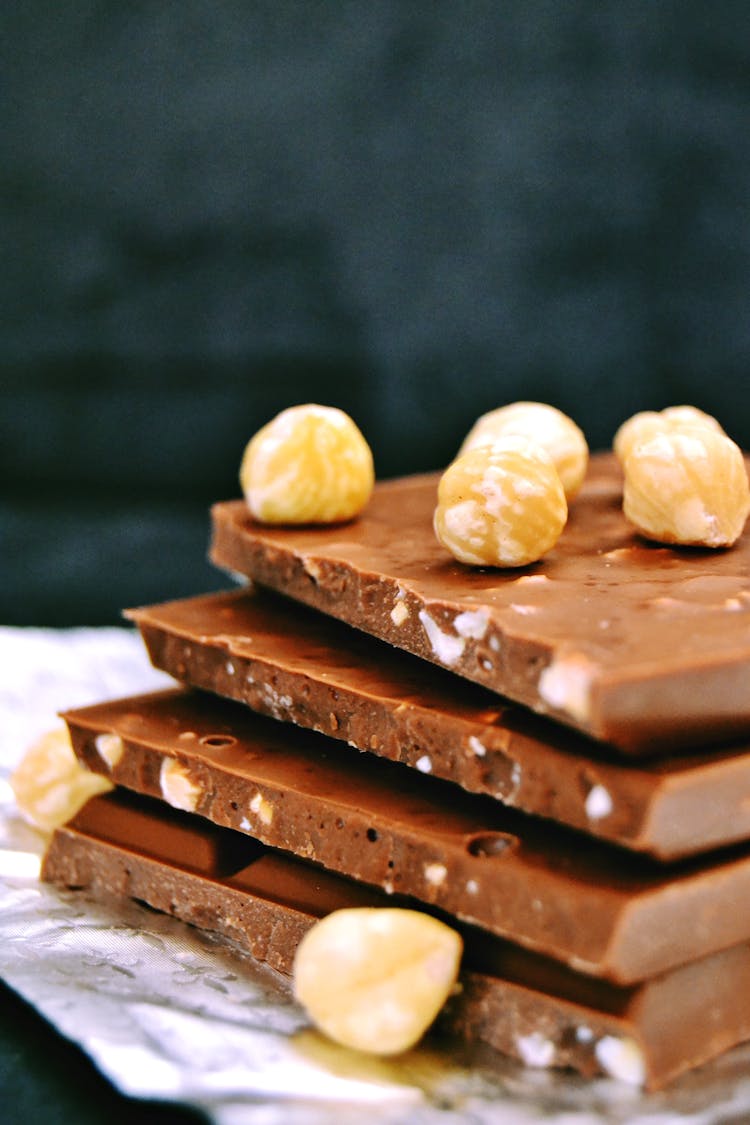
(554, 760)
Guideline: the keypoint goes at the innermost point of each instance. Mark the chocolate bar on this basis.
(599, 909)
(123, 846)
(295, 664)
(638, 645)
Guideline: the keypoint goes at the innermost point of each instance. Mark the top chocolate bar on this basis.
(643, 646)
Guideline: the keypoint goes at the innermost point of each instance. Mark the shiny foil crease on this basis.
(166, 1011)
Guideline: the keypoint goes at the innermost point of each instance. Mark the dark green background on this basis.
(415, 211)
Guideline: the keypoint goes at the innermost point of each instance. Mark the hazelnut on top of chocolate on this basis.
(309, 464)
(687, 487)
(685, 479)
(500, 505)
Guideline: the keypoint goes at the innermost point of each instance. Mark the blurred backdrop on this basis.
(415, 211)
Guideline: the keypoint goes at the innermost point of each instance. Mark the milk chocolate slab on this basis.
(601, 910)
(639, 645)
(127, 847)
(294, 664)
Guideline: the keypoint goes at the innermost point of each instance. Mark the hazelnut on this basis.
(177, 786)
(310, 464)
(374, 979)
(501, 504)
(51, 785)
(688, 487)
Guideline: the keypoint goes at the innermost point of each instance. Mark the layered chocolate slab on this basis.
(123, 846)
(295, 664)
(599, 909)
(638, 645)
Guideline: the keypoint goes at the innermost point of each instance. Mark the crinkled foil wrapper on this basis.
(166, 1011)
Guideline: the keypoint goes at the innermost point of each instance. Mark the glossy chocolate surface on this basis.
(643, 646)
(123, 846)
(601, 910)
(294, 664)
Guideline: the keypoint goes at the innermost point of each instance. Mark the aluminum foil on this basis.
(166, 1011)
